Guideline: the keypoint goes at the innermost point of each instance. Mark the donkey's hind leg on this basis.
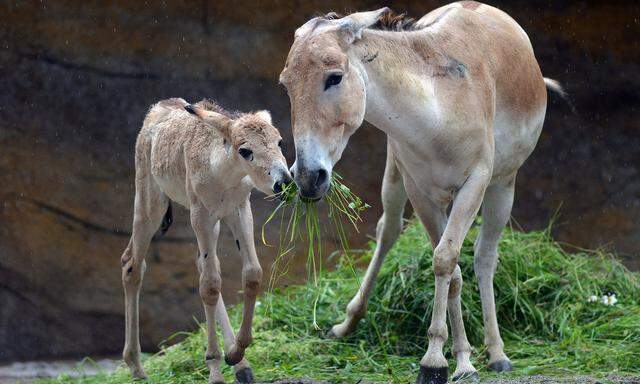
(244, 374)
(149, 209)
(389, 227)
(496, 210)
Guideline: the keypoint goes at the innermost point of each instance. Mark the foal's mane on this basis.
(390, 21)
(211, 105)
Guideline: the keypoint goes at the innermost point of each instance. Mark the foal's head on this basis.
(256, 144)
(327, 94)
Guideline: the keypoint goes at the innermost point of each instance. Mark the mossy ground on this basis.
(547, 323)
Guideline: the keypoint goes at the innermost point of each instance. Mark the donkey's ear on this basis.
(351, 26)
(264, 115)
(217, 121)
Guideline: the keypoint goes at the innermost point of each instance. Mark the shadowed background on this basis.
(76, 80)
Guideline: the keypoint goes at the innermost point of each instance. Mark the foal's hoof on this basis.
(234, 356)
(430, 375)
(244, 376)
(501, 366)
(466, 377)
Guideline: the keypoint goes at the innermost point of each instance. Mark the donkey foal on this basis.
(208, 160)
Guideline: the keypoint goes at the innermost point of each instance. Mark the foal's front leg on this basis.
(241, 224)
(433, 366)
(207, 230)
(244, 374)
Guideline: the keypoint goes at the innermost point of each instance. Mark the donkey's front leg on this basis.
(207, 230)
(241, 224)
(394, 198)
(433, 366)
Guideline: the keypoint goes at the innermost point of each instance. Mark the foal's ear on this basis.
(351, 26)
(217, 121)
(265, 115)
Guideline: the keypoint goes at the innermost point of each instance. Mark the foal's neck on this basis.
(224, 165)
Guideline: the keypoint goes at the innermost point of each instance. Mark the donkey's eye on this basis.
(332, 80)
(246, 153)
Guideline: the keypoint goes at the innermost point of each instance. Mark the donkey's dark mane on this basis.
(390, 21)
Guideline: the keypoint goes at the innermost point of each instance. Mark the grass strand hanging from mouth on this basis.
(303, 224)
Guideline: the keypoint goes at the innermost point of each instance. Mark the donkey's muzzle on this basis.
(312, 184)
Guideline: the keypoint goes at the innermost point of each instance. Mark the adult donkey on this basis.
(460, 95)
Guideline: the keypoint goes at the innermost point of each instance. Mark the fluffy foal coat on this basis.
(207, 160)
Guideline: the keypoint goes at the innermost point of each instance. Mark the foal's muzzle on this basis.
(282, 182)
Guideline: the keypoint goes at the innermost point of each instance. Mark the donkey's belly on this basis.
(514, 139)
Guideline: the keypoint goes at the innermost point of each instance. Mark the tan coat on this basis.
(460, 95)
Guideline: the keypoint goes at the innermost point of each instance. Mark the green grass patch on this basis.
(542, 292)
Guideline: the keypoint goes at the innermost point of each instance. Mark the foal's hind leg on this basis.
(389, 227)
(496, 210)
(150, 206)
(207, 230)
(244, 375)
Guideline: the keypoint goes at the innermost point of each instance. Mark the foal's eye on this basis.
(332, 80)
(246, 153)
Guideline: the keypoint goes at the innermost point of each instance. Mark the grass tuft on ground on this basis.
(547, 322)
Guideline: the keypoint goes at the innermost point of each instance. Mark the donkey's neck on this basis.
(398, 70)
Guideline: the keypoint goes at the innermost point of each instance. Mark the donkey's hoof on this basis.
(466, 377)
(138, 373)
(331, 335)
(430, 375)
(244, 376)
(338, 331)
(501, 366)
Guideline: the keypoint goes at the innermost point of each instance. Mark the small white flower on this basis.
(609, 299)
(592, 299)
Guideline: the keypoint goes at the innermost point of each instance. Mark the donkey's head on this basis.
(327, 94)
(256, 144)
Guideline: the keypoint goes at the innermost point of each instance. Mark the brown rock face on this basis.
(77, 79)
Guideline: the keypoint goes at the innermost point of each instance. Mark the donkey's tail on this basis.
(555, 86)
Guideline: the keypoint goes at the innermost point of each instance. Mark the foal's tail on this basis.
(167, 220)
(555, 86)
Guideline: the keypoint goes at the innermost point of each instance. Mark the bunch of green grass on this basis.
(541, 295)
(547, 324)
(300, 222)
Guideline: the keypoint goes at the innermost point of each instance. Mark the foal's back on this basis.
(173, 145)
